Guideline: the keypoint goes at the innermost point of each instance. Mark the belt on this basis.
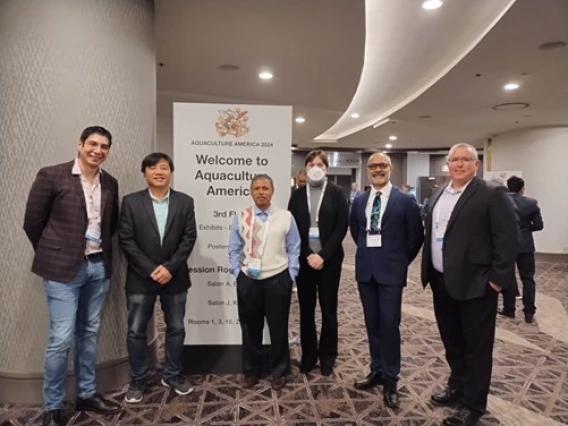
(94, 257)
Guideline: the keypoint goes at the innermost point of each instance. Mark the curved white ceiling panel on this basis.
(407, 50)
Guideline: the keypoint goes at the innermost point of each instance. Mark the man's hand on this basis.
(495, 287)
(161, 275)
(315, 261)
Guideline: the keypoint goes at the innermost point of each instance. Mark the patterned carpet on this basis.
(529, 376)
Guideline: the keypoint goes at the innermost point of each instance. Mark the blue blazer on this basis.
(402, 236)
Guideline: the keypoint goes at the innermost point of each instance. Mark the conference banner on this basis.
(218, 149)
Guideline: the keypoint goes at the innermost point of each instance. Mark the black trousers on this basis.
(467, 329)
(322, 285)
(258, 299)
(526, 267)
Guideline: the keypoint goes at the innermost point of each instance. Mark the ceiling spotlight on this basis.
(300, 120)
(355, 115)
(393, 138)
(388, 146)
(432, 4)
(511, 86)
(266, 75)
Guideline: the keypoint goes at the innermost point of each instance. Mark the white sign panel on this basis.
(218, 149)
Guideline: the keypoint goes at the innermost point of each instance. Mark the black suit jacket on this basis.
(530, 220)
(333, 221)
(402, 235)
(140, 241)
(480, 244)
(56, 221)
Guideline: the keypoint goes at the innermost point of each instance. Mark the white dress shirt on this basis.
(385, 194)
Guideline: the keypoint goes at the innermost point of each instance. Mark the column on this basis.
(66, 65)
(540, 153)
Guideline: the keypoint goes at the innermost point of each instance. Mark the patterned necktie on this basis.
(376, 212)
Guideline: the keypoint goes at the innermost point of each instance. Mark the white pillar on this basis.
(417, 165)
(64, 66)
(540, 153)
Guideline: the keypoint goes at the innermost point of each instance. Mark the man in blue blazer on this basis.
(387, 229)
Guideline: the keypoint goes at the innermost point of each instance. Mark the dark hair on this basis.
(515, 184)
(316, 153)
(154, 158)
(96, 130)
(262, 176)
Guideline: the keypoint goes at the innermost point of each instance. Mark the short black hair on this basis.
(316, 153)
(515, 184)
(262, 176)
(152, 159)
(99, 130)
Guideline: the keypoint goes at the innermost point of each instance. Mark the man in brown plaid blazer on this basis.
(71, 214)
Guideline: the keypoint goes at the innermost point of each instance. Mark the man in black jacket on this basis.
(157, 233)
(530, 220)
(469, 255)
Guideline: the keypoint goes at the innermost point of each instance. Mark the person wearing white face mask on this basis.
(321, 212)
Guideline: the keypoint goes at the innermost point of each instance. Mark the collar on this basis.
(167, 197)
(385, 191)
(76, 170)
(452, 191)
(257, 211)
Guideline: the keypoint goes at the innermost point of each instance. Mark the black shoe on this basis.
(529, 319)
(326, 370)
(52, 418)
(463, 417)
(372, 380)
(97, 404)
(390, 395)
(505, 313)
(448, 396)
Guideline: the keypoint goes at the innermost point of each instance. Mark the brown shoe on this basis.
(250, 381)
(278, 382)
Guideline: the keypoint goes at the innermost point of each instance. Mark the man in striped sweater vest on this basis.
(263, 251)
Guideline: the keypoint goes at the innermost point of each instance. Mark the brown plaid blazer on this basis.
(56, 221)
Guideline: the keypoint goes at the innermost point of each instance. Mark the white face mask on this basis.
(316, 174)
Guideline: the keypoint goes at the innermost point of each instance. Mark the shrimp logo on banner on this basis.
(232, 122)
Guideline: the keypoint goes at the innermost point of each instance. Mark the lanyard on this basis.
(264, 234)
(319, 202)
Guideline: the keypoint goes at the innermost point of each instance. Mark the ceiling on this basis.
(320, 56)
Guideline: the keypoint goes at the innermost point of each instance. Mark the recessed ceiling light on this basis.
(388, 145)
(511, 86)
(300, 120)
(266, 75)
(355, 115)
(228, 67)
(510, 106)
(432, 4)
(393, 138)
(552, 45)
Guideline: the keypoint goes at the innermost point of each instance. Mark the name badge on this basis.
(254, 268)
(314, 233)
(374, 240)
(93, 234)
(439, 231)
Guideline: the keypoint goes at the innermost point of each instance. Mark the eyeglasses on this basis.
(375, 166)
(461, 160)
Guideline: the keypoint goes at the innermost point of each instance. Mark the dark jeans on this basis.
(526, 266)
(268, 298)
(323, 285)
(140, 310)
(467, 329)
